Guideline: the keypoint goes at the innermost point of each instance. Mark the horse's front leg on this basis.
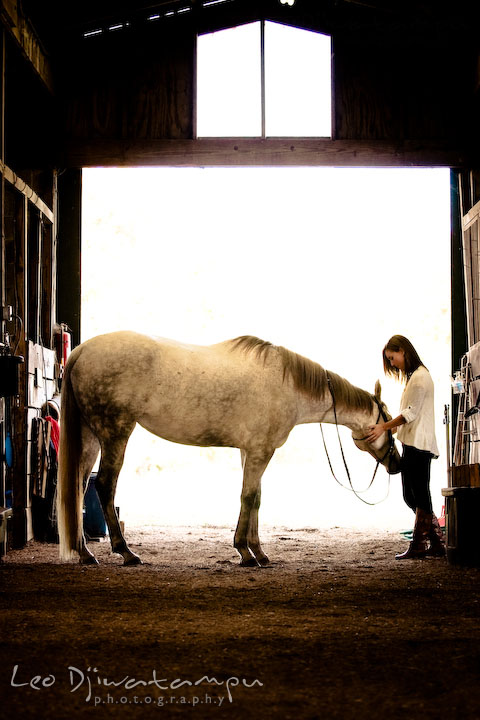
(253, 541)
(106, 483)
(246, 539)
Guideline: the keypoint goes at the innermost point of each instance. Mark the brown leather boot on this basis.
(419, 545)
(437, 540)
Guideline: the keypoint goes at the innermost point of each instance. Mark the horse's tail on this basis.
(70, 481)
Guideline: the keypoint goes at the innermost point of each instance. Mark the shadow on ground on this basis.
(334, 628)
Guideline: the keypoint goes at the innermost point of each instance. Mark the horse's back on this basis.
(200, 395)
(124, 351)
(124, 366)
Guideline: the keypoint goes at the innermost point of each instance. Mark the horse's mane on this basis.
(306, 374)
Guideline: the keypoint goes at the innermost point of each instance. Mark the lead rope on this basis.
(345, 487)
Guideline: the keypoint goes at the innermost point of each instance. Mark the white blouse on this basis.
(417, 407)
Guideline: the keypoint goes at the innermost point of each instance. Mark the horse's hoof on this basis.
(132, 561)
(89, 560)
(264, 561)
(251, 562)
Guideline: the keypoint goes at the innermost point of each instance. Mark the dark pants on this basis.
(416, 478)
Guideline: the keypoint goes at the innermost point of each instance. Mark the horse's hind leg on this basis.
(90, 450)
(246, 539)
(113, 451)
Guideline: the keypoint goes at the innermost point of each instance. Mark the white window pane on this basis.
(228, 83)
(297, 82)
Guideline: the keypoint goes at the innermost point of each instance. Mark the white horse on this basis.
(244, 393)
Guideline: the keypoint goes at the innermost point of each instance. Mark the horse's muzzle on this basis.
(394, 463)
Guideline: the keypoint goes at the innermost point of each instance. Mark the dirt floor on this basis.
(334, 628)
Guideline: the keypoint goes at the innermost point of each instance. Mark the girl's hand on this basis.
(374, 432)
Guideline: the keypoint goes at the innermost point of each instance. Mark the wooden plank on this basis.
(228, 152)
(31, 414)
(27, 191)
(38, 395)
(40, 369)
(3, 274)
(262, 76)
(33, 274)
(145, 93)
(29, 459)
(47, 308)
(466, 475)
(468, 280)
(471, 216)
(2, 94)
(20, 487)
(458, 312)
(21, 30)
(42, 358)
(69, 250)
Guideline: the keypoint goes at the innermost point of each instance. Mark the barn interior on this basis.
(113, 84)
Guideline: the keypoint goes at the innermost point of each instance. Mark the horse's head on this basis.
(383, 449)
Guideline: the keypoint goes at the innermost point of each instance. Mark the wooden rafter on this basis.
(26, 38)
(26, 191)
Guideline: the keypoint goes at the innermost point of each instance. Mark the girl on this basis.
(416, 431)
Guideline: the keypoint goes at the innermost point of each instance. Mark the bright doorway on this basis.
(327, 262)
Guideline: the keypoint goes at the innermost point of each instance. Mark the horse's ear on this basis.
(378, 390)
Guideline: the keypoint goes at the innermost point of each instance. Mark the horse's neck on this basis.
(310, 411)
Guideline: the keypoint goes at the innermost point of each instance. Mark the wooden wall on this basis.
(28, 264)
(130, 86)
(396, 87)
(27, 255)
(407, 96)
(31, 129)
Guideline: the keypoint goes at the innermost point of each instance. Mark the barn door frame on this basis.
(471, 268)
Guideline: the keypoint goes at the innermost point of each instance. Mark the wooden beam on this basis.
(471, 216)
(69, 250)
(26, 190)
(2, 258)
(2, 180)
(25, 37)
(217, 152)
(19, 434)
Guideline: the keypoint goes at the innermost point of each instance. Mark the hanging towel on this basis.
(55, 436)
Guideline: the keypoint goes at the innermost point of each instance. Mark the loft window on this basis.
(264, 79)
(229, 82)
